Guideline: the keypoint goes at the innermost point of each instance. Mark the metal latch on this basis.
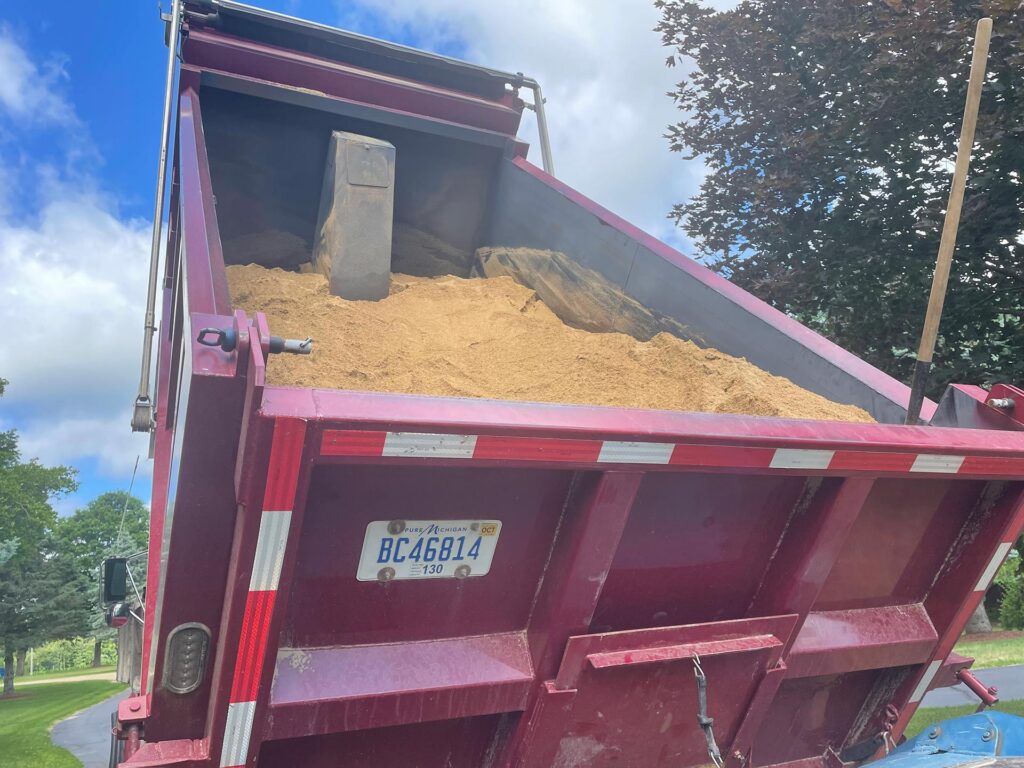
(1004, 403)
(988, 694)
(227, 340)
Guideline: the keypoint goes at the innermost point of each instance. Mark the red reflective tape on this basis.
(352, 442)
(992, 465)
(283, 471)
(536, 448)
(872, 461)
(371, 443)
(721, 456)
(252, 645)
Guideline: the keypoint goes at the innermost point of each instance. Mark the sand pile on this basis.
(493, 338)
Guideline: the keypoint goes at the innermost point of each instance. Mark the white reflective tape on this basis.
(993, 566)
(801, 458)
(427, 445)
(266, 565)
(236, 733)
(922, 687)
(616, 452)
(937, 462)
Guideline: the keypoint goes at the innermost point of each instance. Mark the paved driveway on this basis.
(86, 734)
(1009, 681)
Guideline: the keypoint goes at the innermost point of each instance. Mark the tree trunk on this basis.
(97, 653)
(20, 668)
(978, 623)
(8, 673)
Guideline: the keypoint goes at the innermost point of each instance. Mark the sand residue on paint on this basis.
(492, 338)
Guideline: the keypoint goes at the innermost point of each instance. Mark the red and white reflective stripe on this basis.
(424, 445)
(616, 452)
(268, 557)
(993, 566)
(236, 733)
(931, 462)
(798, 458)
(979, 592)
(926, 680)
(418, 445)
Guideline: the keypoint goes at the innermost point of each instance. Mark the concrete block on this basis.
(352, 244)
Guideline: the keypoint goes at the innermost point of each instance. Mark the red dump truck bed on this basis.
(576, 566)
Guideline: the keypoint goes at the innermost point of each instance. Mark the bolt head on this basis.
(134, 706)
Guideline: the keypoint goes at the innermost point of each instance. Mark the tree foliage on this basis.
(71, 654)
(35, 599)
(828, 128)
(113, 524)
(1008, 580)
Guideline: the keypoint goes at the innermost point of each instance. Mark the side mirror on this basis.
(116, 615)
(115, 580)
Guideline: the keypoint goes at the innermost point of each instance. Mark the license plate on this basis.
(427, 549)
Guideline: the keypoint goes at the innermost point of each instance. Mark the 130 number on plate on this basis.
(427, 549)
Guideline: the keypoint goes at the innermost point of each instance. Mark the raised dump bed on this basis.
(369, 579)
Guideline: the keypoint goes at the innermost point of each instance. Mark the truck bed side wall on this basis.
(533, 210)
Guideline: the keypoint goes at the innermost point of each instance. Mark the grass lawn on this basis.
(998, 649)
(25, 721)
(67, 673)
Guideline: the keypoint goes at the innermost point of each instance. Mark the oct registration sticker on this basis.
(427, 549)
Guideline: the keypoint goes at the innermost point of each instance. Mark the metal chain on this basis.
(706, 723)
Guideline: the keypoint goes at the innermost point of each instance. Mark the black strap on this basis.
(706, 723)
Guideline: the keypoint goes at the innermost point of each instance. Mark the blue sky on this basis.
(113, 75)
(80, 105)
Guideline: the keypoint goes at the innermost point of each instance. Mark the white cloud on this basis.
(72, 289)
(29, 90)
(61, 441)
(602, 68)
(72, 286)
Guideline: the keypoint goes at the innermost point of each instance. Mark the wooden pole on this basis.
(947, 244)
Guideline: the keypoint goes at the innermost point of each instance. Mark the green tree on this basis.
(71, 654)
(33, 590)
(113, 524)
(1010, 581)
(828, 129)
